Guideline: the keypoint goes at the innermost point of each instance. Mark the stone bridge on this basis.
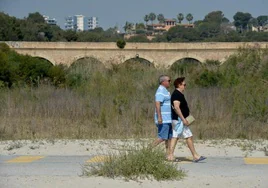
(160, 54)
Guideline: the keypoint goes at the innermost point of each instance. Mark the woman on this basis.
(180, 111)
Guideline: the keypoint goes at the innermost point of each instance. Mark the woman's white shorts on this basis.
(186, 133)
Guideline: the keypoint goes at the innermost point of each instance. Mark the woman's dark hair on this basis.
(178, 81)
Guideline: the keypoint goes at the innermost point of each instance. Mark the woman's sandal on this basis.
(201, 158)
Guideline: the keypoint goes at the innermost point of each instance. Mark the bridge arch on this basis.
(176, 59)
(147, 59)
(80, 57)
(51, 60)
(139, 56)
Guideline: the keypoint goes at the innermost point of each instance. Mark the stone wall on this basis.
(160, 54)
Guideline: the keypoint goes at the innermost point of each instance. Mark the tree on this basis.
(146, 18)
(70, 35)
(241, 20)
(198, 22)
(209, 30)
(189, 17)
(216, 16)
(253, 22)
(36, 18)
(128, 27)
(262, 20)
(181, 34)
(180, 17)
(211, 25)
(87, 36)
(97, 30)
(160, 18)
(225, 20)
(9, 30)
(138, 38)
(152, 17)
(140, 26)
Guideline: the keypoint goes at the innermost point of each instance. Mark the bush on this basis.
(185, 66)
(121, 43)
(138, 38)
(32, 69)
(4, 47)
(137, 163)
(57, 74)
(209, 78)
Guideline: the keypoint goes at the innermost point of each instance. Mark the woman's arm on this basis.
(177, 109)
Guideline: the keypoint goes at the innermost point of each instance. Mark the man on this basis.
(163, 112)
(180, 111)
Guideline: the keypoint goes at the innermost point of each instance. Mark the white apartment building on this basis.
(92, 22)
(69, 23)
(50, 21)
(81, 23)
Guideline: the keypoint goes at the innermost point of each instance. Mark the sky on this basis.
(116, 12)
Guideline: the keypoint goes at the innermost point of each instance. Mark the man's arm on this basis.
(158, 112)
(177, 109)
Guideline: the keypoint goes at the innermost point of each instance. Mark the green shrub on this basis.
(213, 62)
(137, 163)
(4, 47)
(57, 74)
(121, 43)
(138, 38)
(208, 78)
(185, 66)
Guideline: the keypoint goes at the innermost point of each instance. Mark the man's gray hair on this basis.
(162, 78)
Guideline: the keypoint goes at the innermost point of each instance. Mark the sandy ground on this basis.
(213, 148)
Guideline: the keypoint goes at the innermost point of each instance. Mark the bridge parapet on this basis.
(161, 54)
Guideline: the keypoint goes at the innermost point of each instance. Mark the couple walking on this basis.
(169, 111)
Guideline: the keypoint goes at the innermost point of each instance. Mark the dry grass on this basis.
(119, 103)
(47, 112)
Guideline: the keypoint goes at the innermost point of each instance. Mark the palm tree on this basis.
(180, 17)
(189, 17)
(152, 17)
(128, 27)
(161, 18)
(146, 18)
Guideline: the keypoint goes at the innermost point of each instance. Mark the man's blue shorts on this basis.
(164, 131)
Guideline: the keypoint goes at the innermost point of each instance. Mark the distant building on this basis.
(260, 28)
(81, 23)
(227, 27)
(168, 23)
(70, 23)
(50, 21)
(161, 27)
(186, 25)
(92, 22)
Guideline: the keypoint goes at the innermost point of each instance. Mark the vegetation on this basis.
(19, 70)
(137, 163)
(86, 100)
(214, 27)
(180, 17)
(121, 43)
(34, 28)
